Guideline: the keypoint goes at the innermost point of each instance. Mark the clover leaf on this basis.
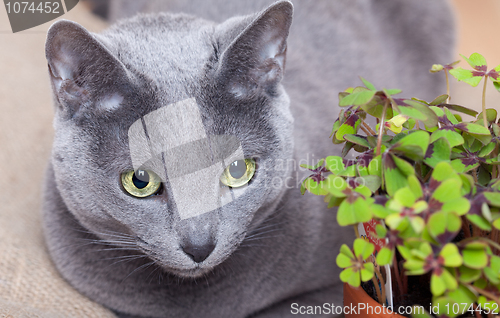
(423, 259)
(480, 70)
(356, 269)
(404, 210)
(313, 182)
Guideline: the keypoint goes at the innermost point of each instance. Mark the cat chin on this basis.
(193, 273)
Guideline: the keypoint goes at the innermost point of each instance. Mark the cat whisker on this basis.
(126, 260)
(152, 274)
(253, 245)
(116, 237)
(263, 235)
(260, 234)
(144, 266)
(110, 242)
(124, 257)
(105, 232)
(72, 246)
(268, 220)
(119, 249)
(206, 279)
(88, 242)
(266, 227)
(239, 253)
(221, 269)
(160, 277)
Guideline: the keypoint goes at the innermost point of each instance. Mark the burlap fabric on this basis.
(29, 284)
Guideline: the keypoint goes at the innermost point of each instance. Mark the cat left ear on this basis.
(82, 70)
(255, 60)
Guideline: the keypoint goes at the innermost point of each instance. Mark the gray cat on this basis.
(173, 185)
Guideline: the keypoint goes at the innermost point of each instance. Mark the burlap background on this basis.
(29, 284)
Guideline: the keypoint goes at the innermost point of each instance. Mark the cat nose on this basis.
(198, 253)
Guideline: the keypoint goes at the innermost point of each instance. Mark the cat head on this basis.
(172, 130)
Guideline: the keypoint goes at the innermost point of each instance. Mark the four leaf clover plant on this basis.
(431, 180)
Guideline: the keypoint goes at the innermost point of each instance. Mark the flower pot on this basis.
(357, 303)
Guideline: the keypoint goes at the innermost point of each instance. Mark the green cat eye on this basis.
(140, 183)
(238, 173)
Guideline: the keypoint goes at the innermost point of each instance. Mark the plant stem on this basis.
(447, 87)
(476, 313)
(397, 275)
(405, 284)
(475, 231)
(377, 290)
(356, 232)
(365, 131)
(485, 121)
(381, 127)
(494, 170)
(369, 128)
(486, 293)
(428, 175)
(418, 169)
(465, 227)
(494, 237)
(474, 174)
(382, 284)
(492, 243)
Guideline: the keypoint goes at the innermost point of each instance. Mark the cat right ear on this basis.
(83, 72)
(255, 60)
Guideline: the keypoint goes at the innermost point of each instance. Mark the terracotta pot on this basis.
(357, 303)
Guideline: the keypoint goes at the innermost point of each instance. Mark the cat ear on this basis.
(256, 58)
(83, 72)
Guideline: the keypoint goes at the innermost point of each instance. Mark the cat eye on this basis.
(238, 173)
(140, 183)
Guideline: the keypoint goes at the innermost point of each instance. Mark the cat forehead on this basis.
(165, 47)
(176, 126)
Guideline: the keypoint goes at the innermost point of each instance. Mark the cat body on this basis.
(267, 247)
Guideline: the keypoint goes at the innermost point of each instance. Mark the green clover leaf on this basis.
(356, 269)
